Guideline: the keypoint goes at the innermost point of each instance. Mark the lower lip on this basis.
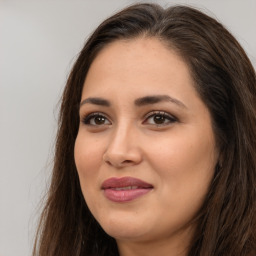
(125, 195)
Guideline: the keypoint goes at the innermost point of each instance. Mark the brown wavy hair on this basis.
(225, 80)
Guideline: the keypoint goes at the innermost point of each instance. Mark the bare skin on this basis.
(141, 117)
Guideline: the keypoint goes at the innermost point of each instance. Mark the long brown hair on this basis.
(226, 83)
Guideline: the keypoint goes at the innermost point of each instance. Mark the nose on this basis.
(123, 148)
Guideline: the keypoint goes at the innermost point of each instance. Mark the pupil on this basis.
(99, 120)
(159, 119)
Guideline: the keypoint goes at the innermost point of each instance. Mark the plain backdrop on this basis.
(39, 41)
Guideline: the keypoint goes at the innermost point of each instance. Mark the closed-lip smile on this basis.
(125, 189)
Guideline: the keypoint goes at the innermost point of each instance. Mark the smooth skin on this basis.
(142, 117)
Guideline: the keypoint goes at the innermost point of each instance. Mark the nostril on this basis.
(127, 161)
(120, 160)
(108, 162)
(122, 164)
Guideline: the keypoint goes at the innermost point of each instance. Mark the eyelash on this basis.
(161, 114)
(153, 114)
(86, 120)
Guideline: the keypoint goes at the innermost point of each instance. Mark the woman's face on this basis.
(145, 150)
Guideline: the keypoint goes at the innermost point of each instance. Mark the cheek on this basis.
(88, 158)
(185, 168)
(181, 151)
(87, 152)
(184, 163)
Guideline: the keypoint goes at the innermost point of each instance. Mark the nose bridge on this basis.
(123, 145)
(122, 137)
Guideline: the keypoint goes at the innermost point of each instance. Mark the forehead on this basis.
(137, 62)
(139, 51)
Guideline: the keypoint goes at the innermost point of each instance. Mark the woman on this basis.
(156, 148)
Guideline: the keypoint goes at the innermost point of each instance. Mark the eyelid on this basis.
(85, 118)
(167, 115)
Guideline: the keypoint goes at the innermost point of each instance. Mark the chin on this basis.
(123, 228)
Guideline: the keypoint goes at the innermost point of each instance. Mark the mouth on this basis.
(125, 189)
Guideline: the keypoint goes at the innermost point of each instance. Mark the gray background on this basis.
(39, 41)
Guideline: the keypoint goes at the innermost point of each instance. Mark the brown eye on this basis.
(159, 118)
(99, 120)
(96, 119)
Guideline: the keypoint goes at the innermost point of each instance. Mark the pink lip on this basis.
(116, 189)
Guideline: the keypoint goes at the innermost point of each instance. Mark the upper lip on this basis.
(115, 182)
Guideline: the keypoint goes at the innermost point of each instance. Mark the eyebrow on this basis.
(147, 100)
(96, 101)
(156, 99)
